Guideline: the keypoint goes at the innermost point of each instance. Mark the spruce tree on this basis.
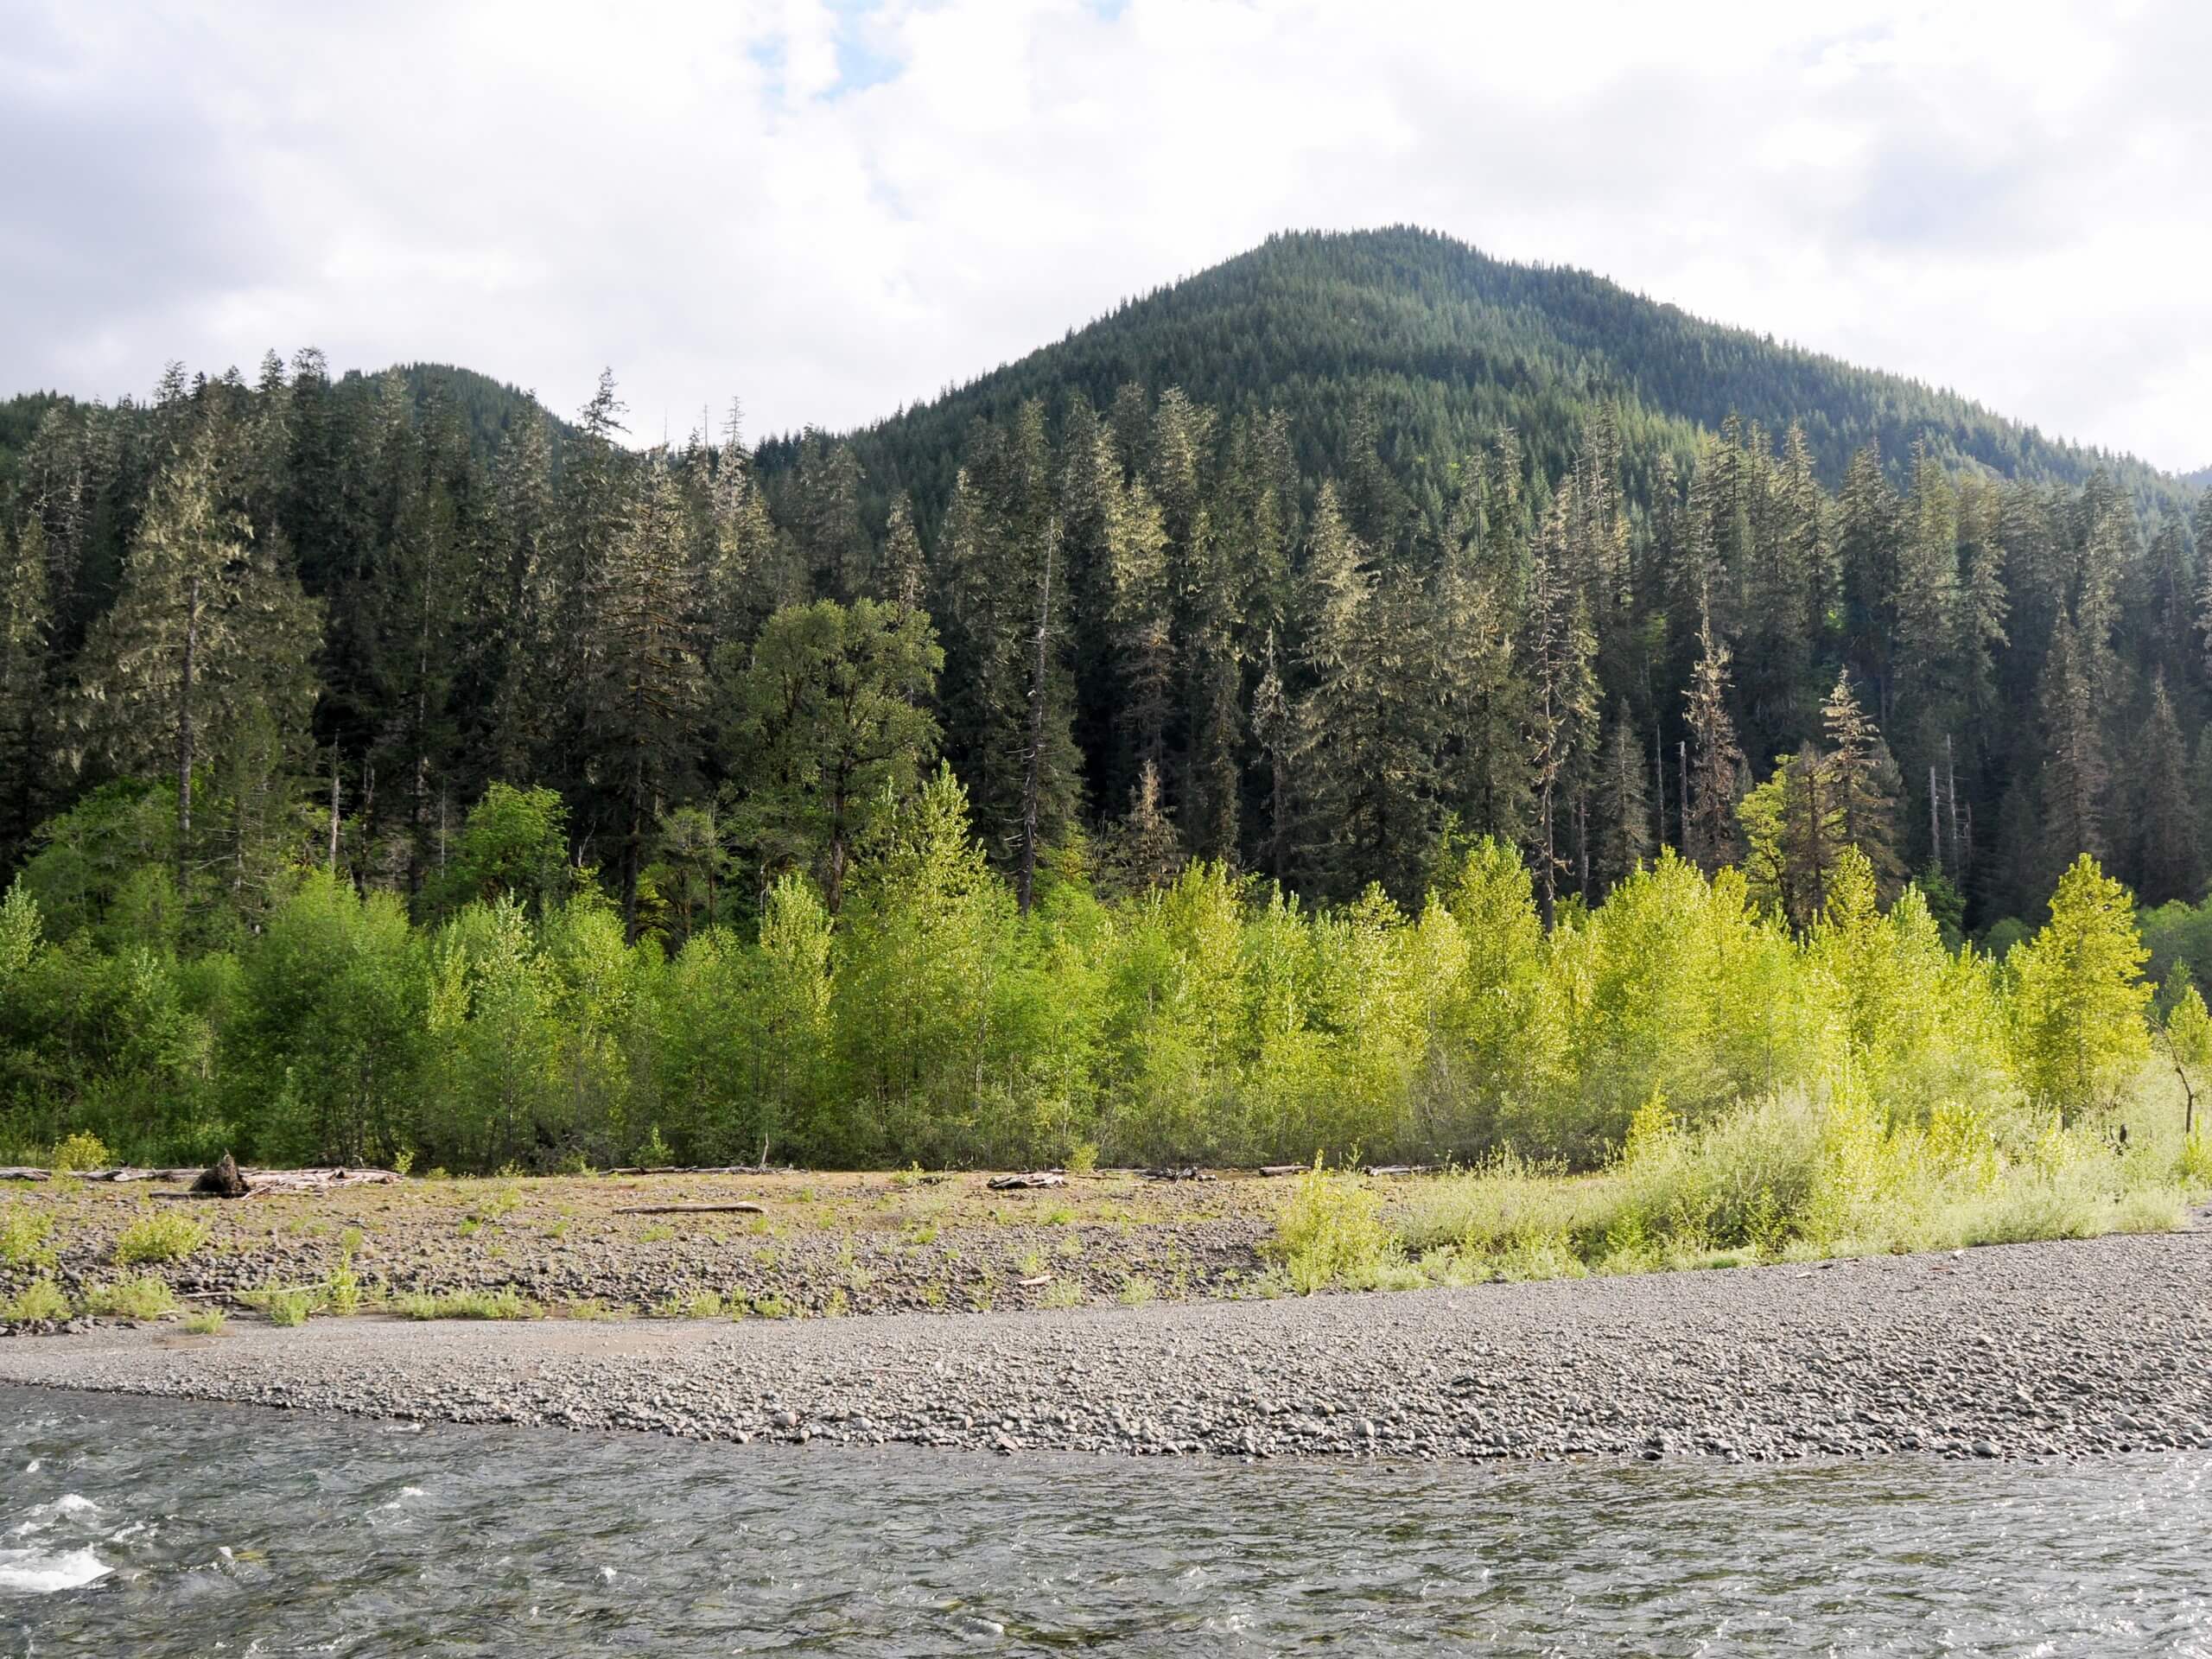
(1864, 786)
(642, 692)
(1336, 714)
(2168, 849)
(26, 689)
(1716, 758)
(824, 721)
(201, 636)
(1562, 695)
(1624, 841)
(2075, 769)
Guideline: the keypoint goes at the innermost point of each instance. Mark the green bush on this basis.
(160, 1236)
(1329, 1232)
(23, 1235)
(40, 1301)
(80, 1152)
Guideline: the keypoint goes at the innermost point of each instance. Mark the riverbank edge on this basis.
(2067, 1348)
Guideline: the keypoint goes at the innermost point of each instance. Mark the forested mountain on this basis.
(1446, 344)
(1322, 569)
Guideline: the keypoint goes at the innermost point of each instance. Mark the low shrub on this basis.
(287, 1307)
(160, 1236)
(81, 1151)
(41, 1300)
(23, 1235)
(1330, 1232)
(208, 1322)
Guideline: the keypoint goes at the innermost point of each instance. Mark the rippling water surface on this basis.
(143, 1527)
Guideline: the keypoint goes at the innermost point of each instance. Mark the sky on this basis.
(830, 209)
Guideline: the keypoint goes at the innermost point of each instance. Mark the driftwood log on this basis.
(1036, 1178)
(257, 1180)
(1402, 1169)
(262, 1183)
(1186, 1174)
(691, 1209)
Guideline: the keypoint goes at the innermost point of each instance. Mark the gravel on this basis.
(2033, 1351)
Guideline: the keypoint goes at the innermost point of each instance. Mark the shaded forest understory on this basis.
(1366, 696)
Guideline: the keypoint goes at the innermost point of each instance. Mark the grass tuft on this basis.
(133, 1299)
(506, 1303)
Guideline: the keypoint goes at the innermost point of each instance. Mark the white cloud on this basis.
(833, 209)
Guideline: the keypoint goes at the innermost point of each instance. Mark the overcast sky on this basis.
(832, 209)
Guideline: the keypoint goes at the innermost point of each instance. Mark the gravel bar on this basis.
(2032, 1350)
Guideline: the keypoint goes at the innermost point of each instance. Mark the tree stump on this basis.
(221, 1179)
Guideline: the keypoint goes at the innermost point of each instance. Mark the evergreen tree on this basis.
(1863, 787)
(26, 690)
(1716, 758)
(1624, 839)
(824, 720)
(201, 636)
(517, 655)
(1146, 853)
(1334, 795)
(2168, 850)
(2075, 770)
(1869, 552)
(1562, 696)
(643, 689)
(905, 581)
(1275, 728)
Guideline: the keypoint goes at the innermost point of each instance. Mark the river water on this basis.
(147, 1527)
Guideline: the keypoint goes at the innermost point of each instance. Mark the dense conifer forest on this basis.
(1366, 694)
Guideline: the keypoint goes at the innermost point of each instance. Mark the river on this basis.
(154, 1528)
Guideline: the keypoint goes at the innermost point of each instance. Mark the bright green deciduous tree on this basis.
(2079, 994)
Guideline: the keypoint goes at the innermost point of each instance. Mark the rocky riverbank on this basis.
(785, 1243)
(2031, 1350)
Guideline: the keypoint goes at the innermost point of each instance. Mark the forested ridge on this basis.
(1174, 740)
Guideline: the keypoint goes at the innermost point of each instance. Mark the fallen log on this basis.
(703, 1169)
(1037, 1178)
(282, 1180)
(1041, 1278)
(691, 1209)
(1190, 1174)
(314, 1181)
(127, 1173)
(1284, 1169)
(1402, 1169)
